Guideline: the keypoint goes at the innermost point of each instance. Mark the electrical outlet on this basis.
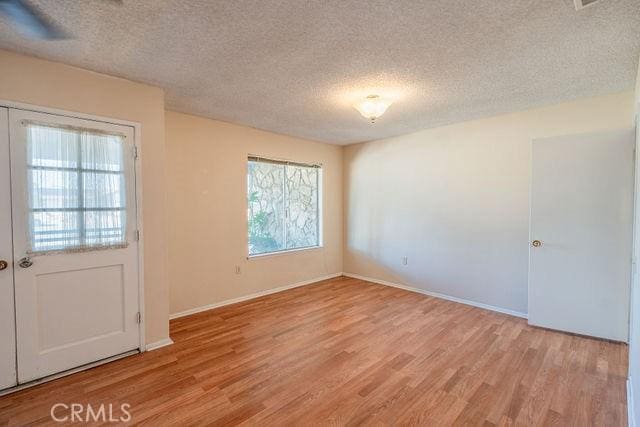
(405, 260)
(237, 269)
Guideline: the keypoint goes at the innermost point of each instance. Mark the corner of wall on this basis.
(343, 154)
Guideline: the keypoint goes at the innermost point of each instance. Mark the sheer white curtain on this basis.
(76, 188)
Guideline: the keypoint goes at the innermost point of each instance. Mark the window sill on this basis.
(284, 252)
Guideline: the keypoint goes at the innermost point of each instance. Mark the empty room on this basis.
(319, 212)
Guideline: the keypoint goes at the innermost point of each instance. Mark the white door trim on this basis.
(8, 350)
(137, 139)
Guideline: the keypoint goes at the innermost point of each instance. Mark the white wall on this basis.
(455, 200)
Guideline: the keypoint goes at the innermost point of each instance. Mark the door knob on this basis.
(3, 264)
(536, 243)
(25, 262)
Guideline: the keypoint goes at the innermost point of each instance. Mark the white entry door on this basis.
(7, 317)
(74, 238)
(581, 233)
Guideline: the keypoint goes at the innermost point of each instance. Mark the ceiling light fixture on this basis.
(372, 107)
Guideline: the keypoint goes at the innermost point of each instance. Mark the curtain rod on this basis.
(72, 128)
(256, 158)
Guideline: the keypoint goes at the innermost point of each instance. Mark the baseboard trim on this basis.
(439, 295)
(250, 296)
(158, 344)
(631, 412)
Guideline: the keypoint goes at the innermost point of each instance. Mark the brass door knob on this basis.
(536, 243)
(3, 264)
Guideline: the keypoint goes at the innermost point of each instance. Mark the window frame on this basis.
(319, 202)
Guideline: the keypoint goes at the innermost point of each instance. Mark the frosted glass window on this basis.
(76, 188)
(283, 205)
(302, 206)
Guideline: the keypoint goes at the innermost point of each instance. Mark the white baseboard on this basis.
(631, 412)
(250, 296)
(331, 276)
(158, 344)
(441, 296)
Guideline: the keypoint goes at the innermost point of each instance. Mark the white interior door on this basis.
(75, 248)
(7, 316)
(581, 215)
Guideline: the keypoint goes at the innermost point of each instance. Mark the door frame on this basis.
(137, 139)
(7, 226)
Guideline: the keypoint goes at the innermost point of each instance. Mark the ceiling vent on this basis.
(581, 4)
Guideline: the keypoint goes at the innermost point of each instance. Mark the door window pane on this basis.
(101, 152)
(51, 147)
(77, 188)
(103, 190)
(55, 230)
(103, 227)
(56, 189)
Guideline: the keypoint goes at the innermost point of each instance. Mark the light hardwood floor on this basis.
(347, 352)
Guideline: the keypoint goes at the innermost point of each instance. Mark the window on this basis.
(283, 205)
(76, 188)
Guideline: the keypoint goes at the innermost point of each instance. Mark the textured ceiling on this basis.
(295, 67)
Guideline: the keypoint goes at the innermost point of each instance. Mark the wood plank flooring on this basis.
(348, 352)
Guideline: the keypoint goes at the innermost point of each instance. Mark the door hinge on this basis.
(135, 152)
(138, 318)
(137, 235)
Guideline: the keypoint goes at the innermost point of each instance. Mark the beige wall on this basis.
(455, 200)
(206, 189)
(49, 84)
